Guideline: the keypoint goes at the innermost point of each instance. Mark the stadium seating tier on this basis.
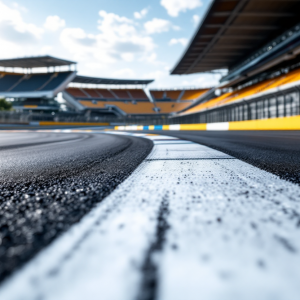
(92, 93)
(157, 94)
(170, 107)
(138, 94)
(8, 81)
(31, 82)
(248, 91)
(192, 94)
(129, 108)
(58, 79)
(178, 95)
(77, 93)
(121, 94)
(135, 101)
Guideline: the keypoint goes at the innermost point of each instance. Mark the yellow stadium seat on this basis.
(169, 107)
(193, 94)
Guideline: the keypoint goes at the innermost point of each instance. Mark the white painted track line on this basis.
(233, 233)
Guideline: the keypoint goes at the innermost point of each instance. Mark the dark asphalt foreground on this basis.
(277, 152)
(49, 181)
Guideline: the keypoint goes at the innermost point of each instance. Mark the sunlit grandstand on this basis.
(128, 102)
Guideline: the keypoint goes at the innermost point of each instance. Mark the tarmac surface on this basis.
(112, 216)
(49, 181)
(277, 152)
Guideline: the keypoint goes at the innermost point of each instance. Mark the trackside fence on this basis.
(276, 105)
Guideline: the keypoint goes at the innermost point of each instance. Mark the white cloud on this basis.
(14, 29)
(46, 50)
(182, 41)
(174, 7)
(119, 40)
(151, 58)
(120, 47)
(196, 19)
(78, 43)
(159, 25)
(141, 14)
(158, 74)
(19, 7)
(124, 73)
(53, 23)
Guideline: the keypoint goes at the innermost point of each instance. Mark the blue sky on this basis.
(121, 39)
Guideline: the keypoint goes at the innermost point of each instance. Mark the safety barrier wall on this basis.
(68, 123)
(14, 117)
(287, 123)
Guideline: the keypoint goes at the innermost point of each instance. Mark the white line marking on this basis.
(217, 126)
(233, 235)
(184, 151)
(174, 127)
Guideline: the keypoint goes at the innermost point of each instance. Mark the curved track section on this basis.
(277, 152)
(49, 181)
(190, 222)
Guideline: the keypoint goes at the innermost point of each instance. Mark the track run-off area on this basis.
(146, 216)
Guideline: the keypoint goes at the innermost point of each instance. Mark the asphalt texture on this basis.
(49, 181)
(277, 152)
(189, 222)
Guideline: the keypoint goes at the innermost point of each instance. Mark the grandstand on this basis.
(258, 42)
(108, 97)
(31, 89)
(172, 101)
(129, 101)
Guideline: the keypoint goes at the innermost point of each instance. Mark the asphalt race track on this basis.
(150, 216)
(277, 152)
(50, 180)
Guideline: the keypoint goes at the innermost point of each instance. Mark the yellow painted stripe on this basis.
(50, 123)
(30, 106)
(288, 123)
(192, 126)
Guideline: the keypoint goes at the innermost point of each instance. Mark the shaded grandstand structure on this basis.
(232, 30)
(31, 89)
(258, 42)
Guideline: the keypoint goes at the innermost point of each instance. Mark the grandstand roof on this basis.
(233, 29)
(96, 80)
(35, 62)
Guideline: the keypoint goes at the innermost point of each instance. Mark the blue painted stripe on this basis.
(158, 127)
(146, 128)
(34, 123)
